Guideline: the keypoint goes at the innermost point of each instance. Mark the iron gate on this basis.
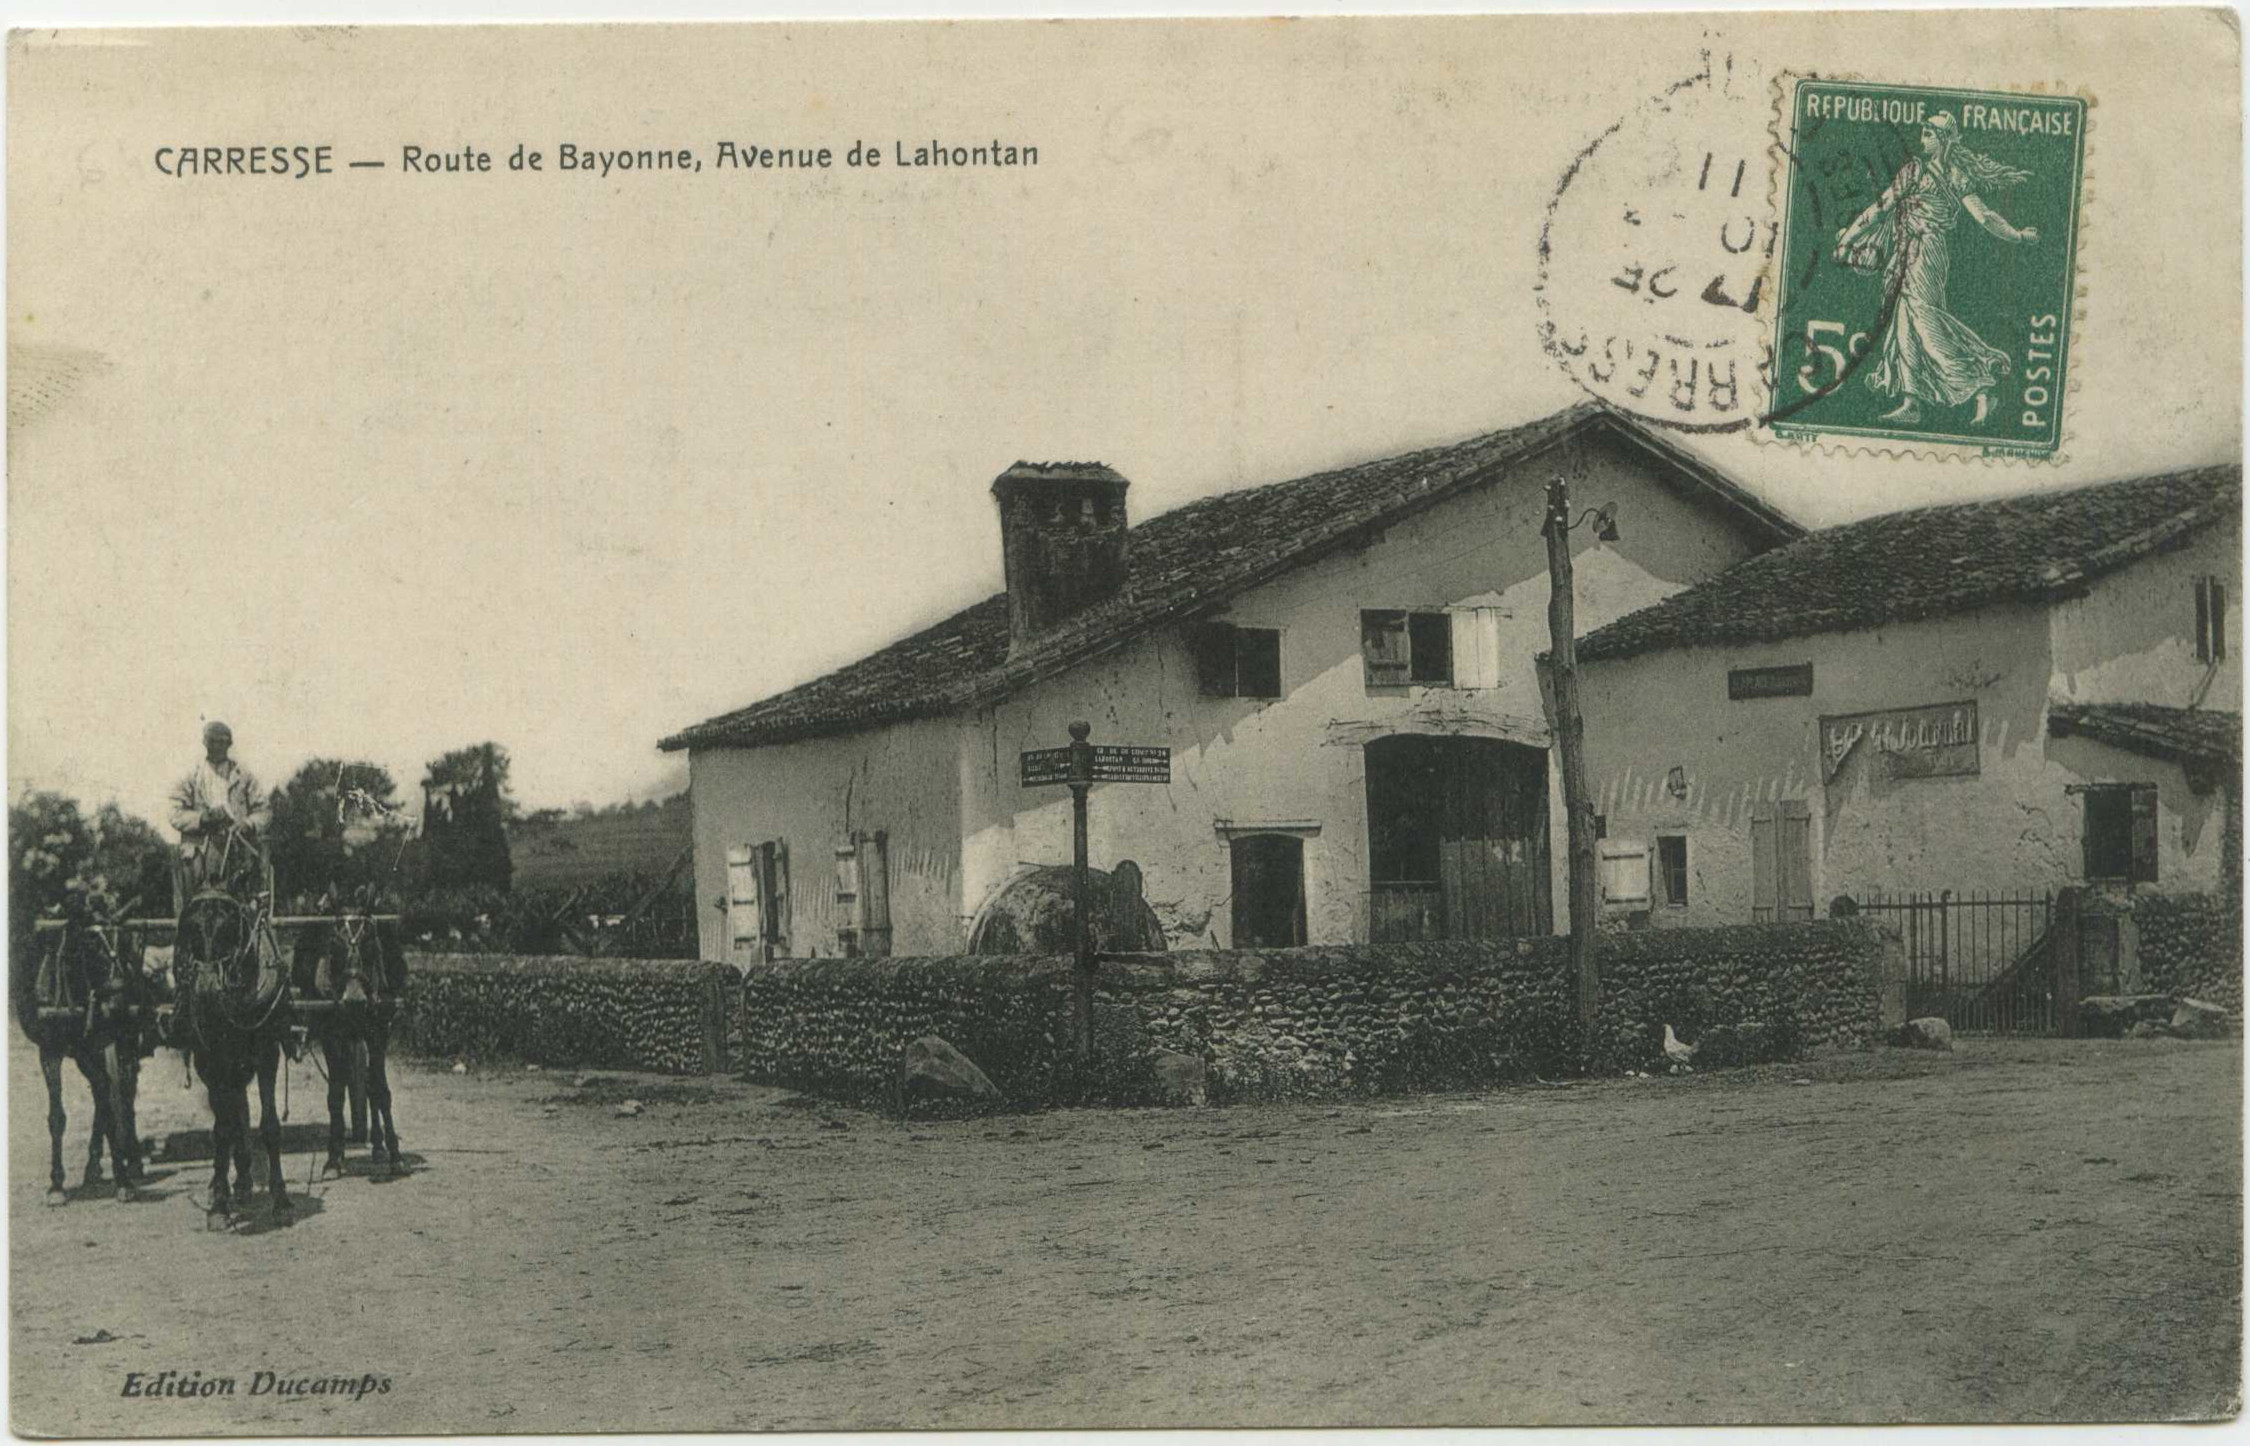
(1983, 962)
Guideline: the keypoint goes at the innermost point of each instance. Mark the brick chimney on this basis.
(1062, 540)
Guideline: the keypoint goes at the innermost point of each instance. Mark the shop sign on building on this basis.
(1938, 741)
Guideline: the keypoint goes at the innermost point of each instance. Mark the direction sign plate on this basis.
(1045, 765)
(1123, 763)
(1112, 763)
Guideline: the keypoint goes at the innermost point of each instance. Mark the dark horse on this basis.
(354, 969)
(87, 1000)
(232, 1018)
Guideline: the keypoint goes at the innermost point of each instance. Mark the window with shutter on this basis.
(773, 879)
(1213, 646)
(1257, 662)
(1236, 662)
(2144, 841)
(1429, 648)
(1383, 648)
(847, 897)
(1671, 867)
(2110, 839)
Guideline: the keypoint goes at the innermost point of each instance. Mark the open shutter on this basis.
(1793, 860)
(2144, 834)
(746, 933)
(1476, 648)
(1383, 648)
(1764, 871)
(875, 894)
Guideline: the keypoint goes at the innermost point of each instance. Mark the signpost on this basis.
(1081, 765)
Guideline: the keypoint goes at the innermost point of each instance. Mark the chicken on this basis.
(1680, 1053)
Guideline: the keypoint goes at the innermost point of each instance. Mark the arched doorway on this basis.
(1456, 839)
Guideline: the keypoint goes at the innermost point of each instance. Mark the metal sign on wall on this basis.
(1937, 741)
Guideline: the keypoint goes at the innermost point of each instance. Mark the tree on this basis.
(466, 807)
(53, 846)
(335, 829)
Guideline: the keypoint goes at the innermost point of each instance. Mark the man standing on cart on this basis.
(222, 816)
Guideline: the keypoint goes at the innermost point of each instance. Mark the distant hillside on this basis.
(547, 849)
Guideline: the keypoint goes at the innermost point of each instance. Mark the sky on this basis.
(377, 464)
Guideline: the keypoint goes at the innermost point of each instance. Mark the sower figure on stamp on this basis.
(222, 816)
(1927, 354)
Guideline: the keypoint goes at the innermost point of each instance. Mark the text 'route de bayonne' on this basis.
(294, 161)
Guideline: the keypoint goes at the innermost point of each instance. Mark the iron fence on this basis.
(1983, 962)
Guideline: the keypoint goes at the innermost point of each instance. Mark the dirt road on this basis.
(2018, 1231)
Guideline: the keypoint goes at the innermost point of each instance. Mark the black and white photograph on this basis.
(1504, 720)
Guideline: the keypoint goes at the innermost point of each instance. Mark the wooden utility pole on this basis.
(1570, 737)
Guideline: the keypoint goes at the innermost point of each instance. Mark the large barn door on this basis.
(1458, 838)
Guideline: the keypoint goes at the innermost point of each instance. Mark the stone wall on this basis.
(2191, 946)
(1319, 1022)
(653, 1014)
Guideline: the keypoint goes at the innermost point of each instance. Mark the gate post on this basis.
(2067, 938)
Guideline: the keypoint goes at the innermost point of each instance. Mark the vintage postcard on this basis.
(1458, 721)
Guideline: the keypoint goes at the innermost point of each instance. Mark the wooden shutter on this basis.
(2144, 833)
(1764, 870)
(1793, 859)
(1383, 647)
(2218, 619)
(2203, 649)
(1624, 873)
(875, 894)
(746, 934)
(1476, 648)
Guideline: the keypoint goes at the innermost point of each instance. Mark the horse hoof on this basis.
(283, 1205)
(333, 1170)
(124, 1193)
(55, 1195)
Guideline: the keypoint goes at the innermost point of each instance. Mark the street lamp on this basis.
(1570, 731)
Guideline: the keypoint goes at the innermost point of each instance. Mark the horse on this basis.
(88, 1001)
(232, 1019)
(356, 968)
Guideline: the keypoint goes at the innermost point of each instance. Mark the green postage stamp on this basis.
(1929, 241)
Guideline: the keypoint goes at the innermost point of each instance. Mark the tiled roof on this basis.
(1931, 562)
(2210, 736)
(1187, 561)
